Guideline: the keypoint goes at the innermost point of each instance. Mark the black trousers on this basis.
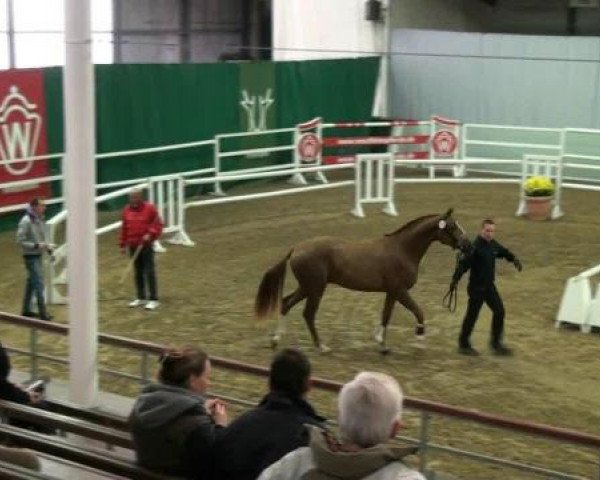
(477, 298)
(145, 273)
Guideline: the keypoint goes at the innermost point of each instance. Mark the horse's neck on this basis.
(416, 241)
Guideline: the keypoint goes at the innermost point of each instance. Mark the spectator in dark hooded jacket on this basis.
(18, 394)
(277, 426)
(173, 425)
(8, 390)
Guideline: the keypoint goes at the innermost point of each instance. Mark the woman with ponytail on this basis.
(173, 425)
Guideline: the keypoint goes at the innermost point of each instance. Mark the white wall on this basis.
(309, 29)
(501, 79)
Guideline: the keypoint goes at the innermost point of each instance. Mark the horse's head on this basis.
(450, 233)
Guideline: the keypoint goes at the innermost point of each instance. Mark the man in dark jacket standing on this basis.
(276, 427)
(141, 226)
(482, 263)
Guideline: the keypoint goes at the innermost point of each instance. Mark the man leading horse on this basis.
(387, 264)
(481, 260)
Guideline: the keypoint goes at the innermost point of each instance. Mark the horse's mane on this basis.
(411, 224)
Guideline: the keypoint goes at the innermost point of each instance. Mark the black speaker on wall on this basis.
(373, 11)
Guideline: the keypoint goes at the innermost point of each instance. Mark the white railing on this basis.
(579, 304)
(169, 191)
(547, 166)
(374, 182)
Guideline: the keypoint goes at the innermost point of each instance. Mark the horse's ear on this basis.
(449, 213)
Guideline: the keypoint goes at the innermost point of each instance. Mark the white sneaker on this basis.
(152, 305)
(137, 303)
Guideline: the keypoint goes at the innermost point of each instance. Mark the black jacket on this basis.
(8, 390)
(263, 435)
(482, 263)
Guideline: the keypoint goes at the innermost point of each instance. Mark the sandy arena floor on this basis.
(207, 295)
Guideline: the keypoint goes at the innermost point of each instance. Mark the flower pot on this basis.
(538, 208)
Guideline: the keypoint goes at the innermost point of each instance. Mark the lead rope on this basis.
(451, 298)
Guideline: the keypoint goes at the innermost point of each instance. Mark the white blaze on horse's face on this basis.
(446, 235)
(453, 234)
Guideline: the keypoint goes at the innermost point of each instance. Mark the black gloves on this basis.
(518, 264)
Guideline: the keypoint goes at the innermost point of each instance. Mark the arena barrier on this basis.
(139, 370)
(56, 271)
(436, 138)
(308, 143)
(167, 192)
(579, 306)
(303, 144)
(374, 182)
(403, 143)
(544, 165)
(306, 156)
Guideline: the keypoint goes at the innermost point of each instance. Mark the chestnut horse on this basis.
(388, 264)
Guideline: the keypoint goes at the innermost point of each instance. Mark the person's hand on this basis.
(42, 246)
(146, 238)
(34, 397)
(217, 411)
(518, 264)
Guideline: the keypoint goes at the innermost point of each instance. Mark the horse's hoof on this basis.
(274, 342)
(420, 330)
(385, 351)
(324, 349)
(379, 335)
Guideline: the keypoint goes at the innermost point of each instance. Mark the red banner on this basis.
(337, 159)
(22, 135)
(351, 141)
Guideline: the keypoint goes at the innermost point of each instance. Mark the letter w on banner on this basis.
(22, 135)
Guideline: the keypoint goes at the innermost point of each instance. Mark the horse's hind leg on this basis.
(289, 301)
(310, 313)
(381, 333)
(286, 305)
(405, 299)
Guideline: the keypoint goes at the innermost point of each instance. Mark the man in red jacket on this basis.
(141, 226)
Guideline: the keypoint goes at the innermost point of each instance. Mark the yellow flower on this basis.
(539, 186)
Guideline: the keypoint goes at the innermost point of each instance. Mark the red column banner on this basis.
(22, 135)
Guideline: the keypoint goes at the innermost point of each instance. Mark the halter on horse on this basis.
(387, 264)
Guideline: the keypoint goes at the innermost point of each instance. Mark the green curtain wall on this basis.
(140, 106)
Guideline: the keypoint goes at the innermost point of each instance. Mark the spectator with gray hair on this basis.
(369, 414)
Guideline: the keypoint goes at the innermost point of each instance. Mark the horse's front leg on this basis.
(381, 333)
(405, 299)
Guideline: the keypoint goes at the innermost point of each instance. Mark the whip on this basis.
(131, 262)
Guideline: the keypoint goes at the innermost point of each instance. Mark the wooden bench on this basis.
(95, 458)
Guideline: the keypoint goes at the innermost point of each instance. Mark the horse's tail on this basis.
(270, 289)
